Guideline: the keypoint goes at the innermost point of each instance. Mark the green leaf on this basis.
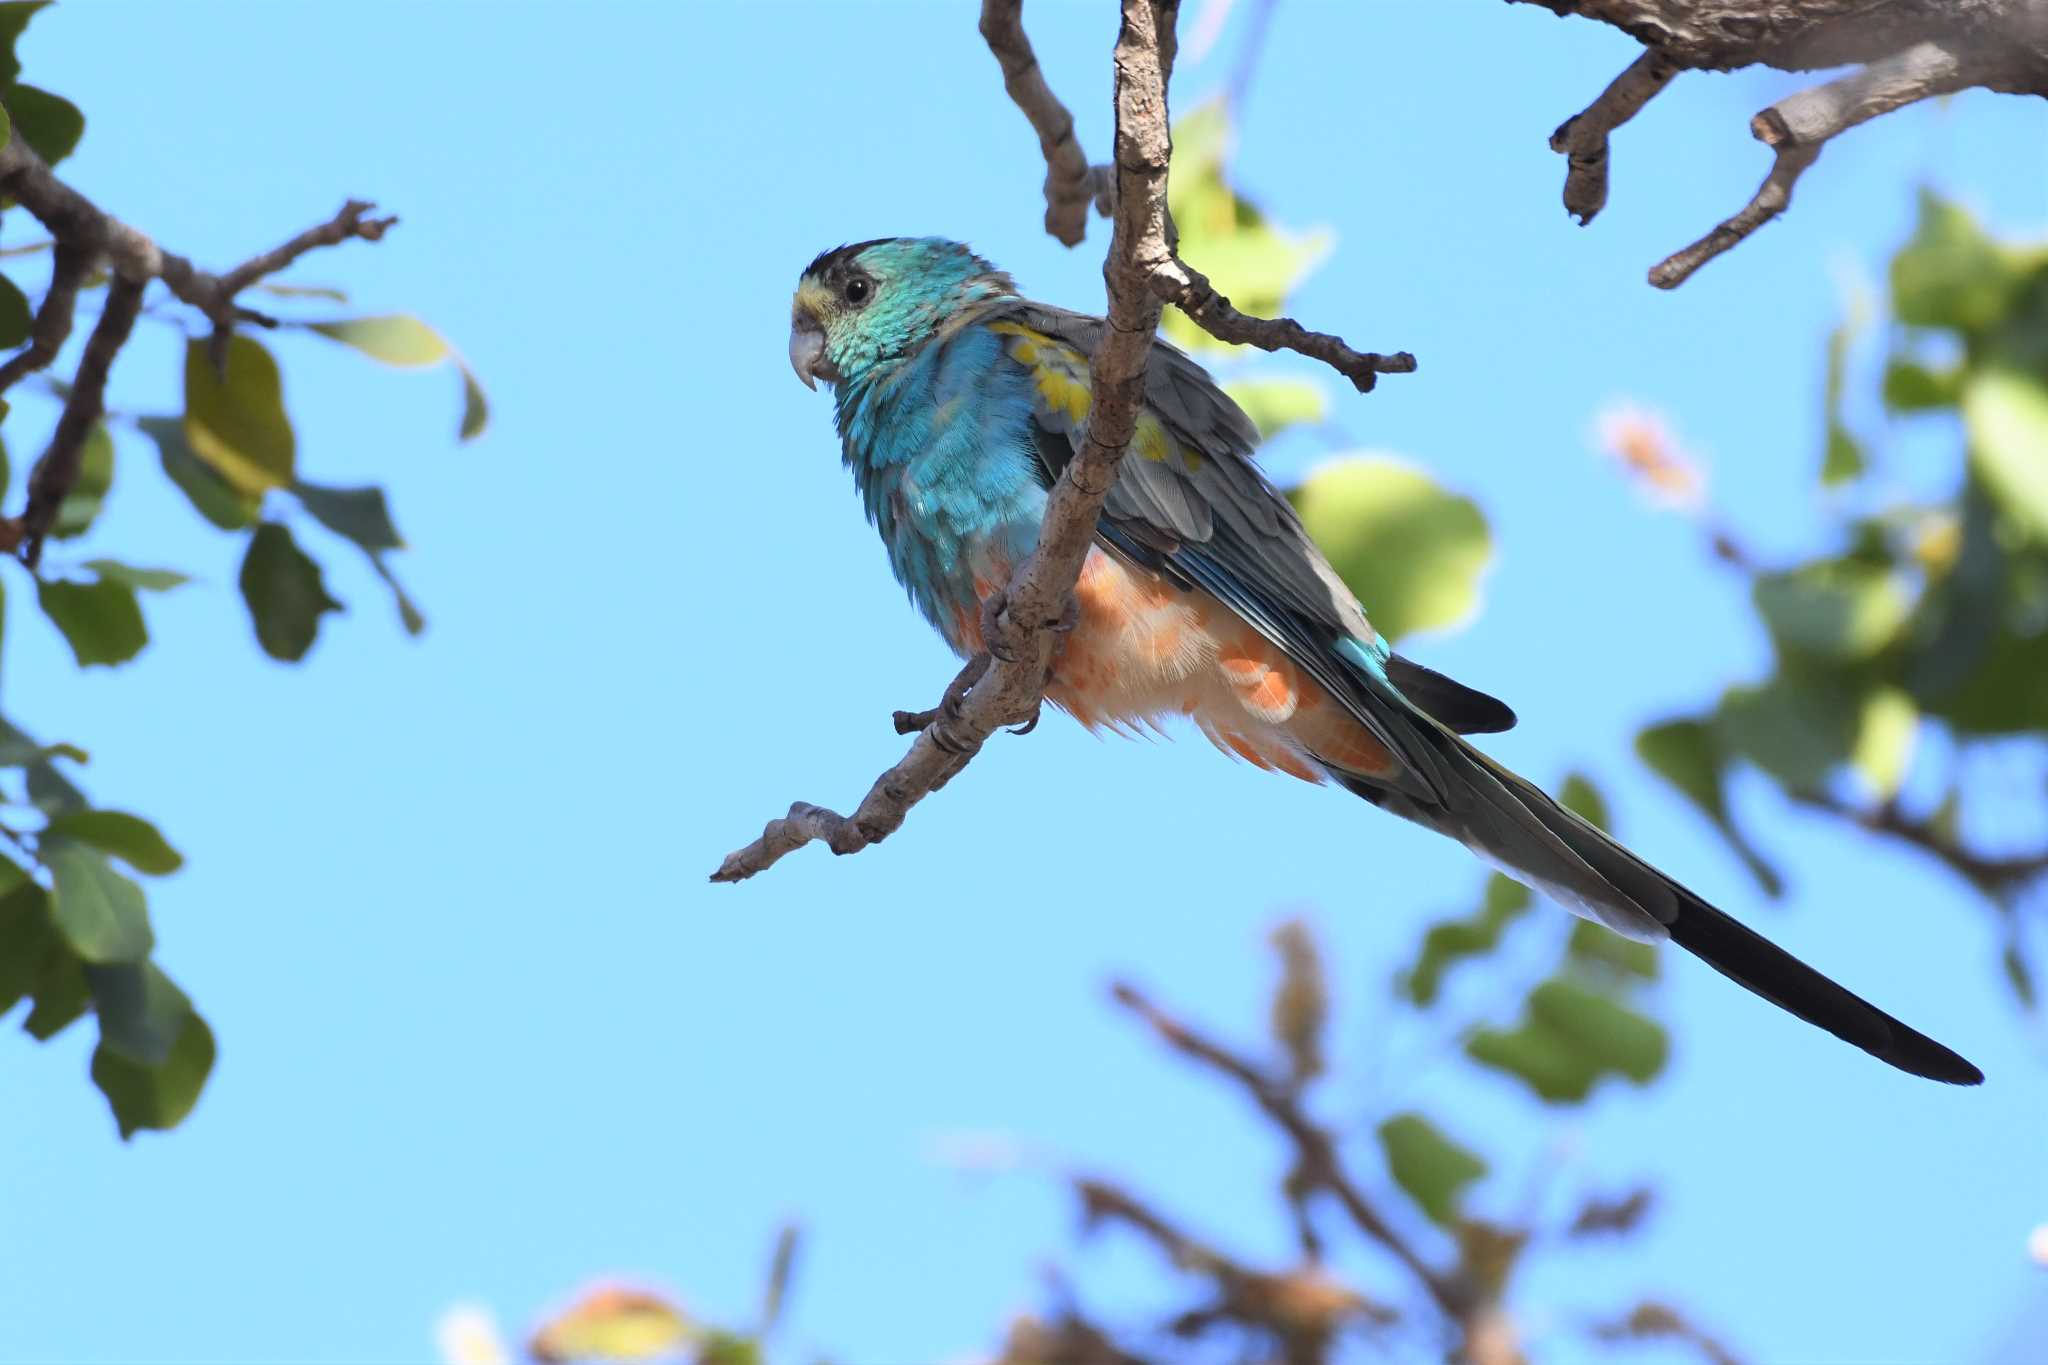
(213, 496)
(1912, 387)
(1412, 552)
(2018, 974)
(1583, 799)
(95, 476)
(1448, 942)
(1614, 1036)
(100, 912)
(160, 1096)
(1951, 274)
(1798, 730)
(1431, 1168)
(141, 1011)
(395, 339)
(1833, 609)
(49, 123)
(101, 621)
(26, 934)
(1688, 754)
(130, 838)
(15, 317)
(1884, 740)
(1844, 458)
(304, 291)
(141, 579)
(360, 514)
(1541, 1060)
(238, 426)
(1274, 405)
(476, 412)
(2007, 417)
(14, 17)
(1597, 943)
(285, 593)
(60, 993)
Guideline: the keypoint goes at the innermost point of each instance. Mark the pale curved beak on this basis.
(807, 352)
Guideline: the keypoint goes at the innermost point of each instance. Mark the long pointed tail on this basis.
(1516, 826)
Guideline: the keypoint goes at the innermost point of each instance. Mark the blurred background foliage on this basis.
(75, 935)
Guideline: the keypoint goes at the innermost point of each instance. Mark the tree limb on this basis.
(84, 235)
(1189, 290)
(1582, 138)
(1071, 184)
(1027, 624)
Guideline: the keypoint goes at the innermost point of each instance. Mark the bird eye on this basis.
(856, 290)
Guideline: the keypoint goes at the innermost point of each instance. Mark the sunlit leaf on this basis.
(1884, 740)
(100, 912)
(2007, 417)
(141, 1011)
(395, 339)
(95, 477)
(1411, 551)
(101, 620)
(160, 1096)
(1797, 730)
(130, 838)
(1950, 274)
(1843, 459)
(612, 1323)
(1912, 387)
(1274, 405)
(1431, 1168)
(1838, 609)
(285, 593)
(238, 425)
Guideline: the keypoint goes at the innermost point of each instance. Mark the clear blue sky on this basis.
(485, 1030)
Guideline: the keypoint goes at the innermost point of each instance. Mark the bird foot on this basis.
(940, 719)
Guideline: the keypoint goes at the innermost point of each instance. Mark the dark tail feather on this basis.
(1748, 959)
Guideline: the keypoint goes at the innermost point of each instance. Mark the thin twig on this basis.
(1798, 126)
(1035, 605)
(1582, 138)
(69, 265)
(1189, 290)
(1997, 878)
(1070, 183)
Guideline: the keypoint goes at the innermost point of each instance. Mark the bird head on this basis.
(860, 306)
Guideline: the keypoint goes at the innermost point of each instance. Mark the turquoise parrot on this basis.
(958, 402)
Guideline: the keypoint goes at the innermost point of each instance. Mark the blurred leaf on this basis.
(130, 838)
(59, 993)
(95, 477)
(360, 514)
(1655, 1321)
(156, 1097)
(1543, 1061)
(101, 620)
(15, 317)
(1884, 740)
(14, 17)
(145, 580)
(1619, 1216)
(1950, 274)
(1447, 942)
(476, 412)
(1579, 796)
(1432, 1169)
(2007, 416)
(101, 913)
(1912, 387)
(141, 1012)
(2013, 961)
(1412, 552)
(1248, 260)
(781, 1266)
(395, 339)
(1832, 609)
(303, 291)
(408, 612)
(26, 934)
(728, 1348)
(1301, 1005)
(1844, 458)
(1274, 405)
(49, 123)
(238, 426)
(612, 1323)
(1568, 1038)
(285, 593)
(1688, 756)
(1796, 729)
(213, 496)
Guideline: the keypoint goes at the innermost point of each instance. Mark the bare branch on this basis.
(57, 471)
(1582, 138)
(1187, 289)
(69, 265)
(1071, 184)
(1999, 879)
(1798, 126)
(1026, 627)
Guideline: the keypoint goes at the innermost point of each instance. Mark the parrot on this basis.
(958, 402)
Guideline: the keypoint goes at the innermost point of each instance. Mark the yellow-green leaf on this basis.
(1432, 1169)
(1413, 552)
(1885, 732)
(394, 338)
(238, 425)
(613, 1323)
(1274, 405)
(95, 476)
(101, 913)
(2007, 416)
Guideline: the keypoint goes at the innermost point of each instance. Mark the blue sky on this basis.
(485, 1030)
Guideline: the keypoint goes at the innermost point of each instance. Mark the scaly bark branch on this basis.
(1026, 627)
(84, 235)
(1071, 184)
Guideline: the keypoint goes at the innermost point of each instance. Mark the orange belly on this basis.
(1143, 650)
